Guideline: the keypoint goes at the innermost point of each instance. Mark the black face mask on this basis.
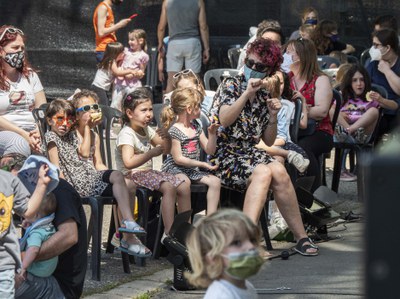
(15, 60)
(117, 2)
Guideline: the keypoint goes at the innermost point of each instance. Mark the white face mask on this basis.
(375, 54)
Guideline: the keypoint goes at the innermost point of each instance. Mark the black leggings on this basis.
(315, 145)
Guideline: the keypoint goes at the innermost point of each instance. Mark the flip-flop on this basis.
(138, 250)
(302, 248)
(136, 229)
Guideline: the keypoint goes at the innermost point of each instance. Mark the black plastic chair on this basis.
(233, 56)
(365, 58)
(212, 78)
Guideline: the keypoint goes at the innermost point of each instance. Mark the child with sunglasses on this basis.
(88, 175)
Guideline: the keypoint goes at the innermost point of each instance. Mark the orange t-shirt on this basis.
(101, 42)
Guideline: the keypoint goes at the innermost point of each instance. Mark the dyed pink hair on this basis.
(268, 51)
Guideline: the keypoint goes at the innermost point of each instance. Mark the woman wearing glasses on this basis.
(20, 92)
(247, 113)
(311, 85)
(384, 70)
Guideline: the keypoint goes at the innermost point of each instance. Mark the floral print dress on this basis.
(190, 149)
(79, 173)
(236, 154)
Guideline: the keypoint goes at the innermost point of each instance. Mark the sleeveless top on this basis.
(308, 91)
(101, 42)
(183, 25)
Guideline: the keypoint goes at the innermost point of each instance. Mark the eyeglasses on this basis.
(184, 72)
(60, 120)
(260, 67)
(11, 30)
(375, 45)
(88, 108)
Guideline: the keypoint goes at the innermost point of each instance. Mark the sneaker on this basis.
(298, 161)
(347, 176)
(163, 238)
(115, 241)
(360, 136)
(341, 133)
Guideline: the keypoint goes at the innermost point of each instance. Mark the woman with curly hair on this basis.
(247, 113)
(20, 92)
(326, 39)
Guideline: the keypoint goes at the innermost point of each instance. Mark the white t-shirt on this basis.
(103, 79)
(16, 105)
(222, 289)
(141, 144)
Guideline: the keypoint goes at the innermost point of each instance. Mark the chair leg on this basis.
(96, 236)
(111, 231)
(337, 169)
(157, 241)
(264, 226)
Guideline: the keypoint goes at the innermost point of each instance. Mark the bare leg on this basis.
(286, 200)
(213, 193)
(121, 194)
(170, 82)
(183, 194)
(167, 204)
(256, 194)
(367, 121)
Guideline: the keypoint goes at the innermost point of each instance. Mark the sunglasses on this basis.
(60, 120)
(260, 67)
(183, 73)
(87, 108)
(11, 31)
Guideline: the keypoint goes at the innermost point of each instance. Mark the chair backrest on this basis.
(337, 96)
(295, 122)
(324, 61)
(352, 59)
(233, 56)
(212, 78)
(380, 89)
(365, 57)
(109, 114)
(39, 115)
(157, 108)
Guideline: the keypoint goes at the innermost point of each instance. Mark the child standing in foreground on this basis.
(14, 197)
(187, 137)
(137, 144)
(39, 230)
(223, 253)
(136, 60)
(64, 149)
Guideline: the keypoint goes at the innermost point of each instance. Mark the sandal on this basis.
(138, 250)
(302, 248)
(130, 226)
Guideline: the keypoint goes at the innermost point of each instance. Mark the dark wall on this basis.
(60, 37)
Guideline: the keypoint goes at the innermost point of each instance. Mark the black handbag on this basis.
(311, 127)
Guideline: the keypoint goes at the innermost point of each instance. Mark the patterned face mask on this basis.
(15, 60)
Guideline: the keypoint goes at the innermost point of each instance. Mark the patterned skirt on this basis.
(152, 179)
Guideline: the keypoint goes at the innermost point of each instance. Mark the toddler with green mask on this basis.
(224, 253)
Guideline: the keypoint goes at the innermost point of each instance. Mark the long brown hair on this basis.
(307, 53)
(110, 54)
(319, 36)
(8, 38)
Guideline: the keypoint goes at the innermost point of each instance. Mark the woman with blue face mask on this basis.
(326, 39)
(384, 70)
(308, 16)
(20, 92)
(247, 113)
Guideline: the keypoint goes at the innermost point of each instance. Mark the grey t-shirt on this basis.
(13, 197)
(183, 19)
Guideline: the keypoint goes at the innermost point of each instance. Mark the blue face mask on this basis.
(311, 21)
(250, 73)
(334, 37)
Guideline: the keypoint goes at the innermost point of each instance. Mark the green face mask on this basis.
(243, 265)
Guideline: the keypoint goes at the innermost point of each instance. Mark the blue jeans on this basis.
(7, 284)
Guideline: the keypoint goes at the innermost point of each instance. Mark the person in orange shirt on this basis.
(104, 27)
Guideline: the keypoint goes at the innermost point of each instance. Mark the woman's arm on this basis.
(209, 145)
(392, 78)
(229, 113)
(384, 103)
(322, 99)
(349, 49)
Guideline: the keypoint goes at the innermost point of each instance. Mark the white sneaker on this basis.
(298, 161)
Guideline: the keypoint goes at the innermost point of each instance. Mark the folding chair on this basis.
(233, 56)
(212, 78)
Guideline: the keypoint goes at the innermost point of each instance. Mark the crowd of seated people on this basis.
(236, 158)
